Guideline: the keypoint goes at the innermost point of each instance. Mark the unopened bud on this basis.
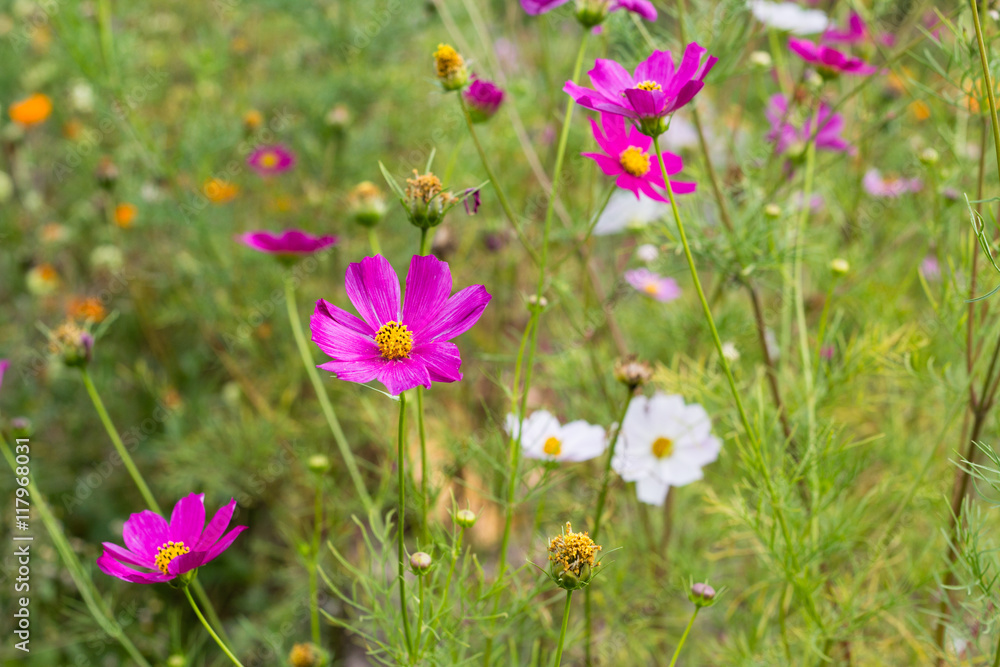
(318, 463)
(633, 373)
(839, 266)
(702, 595)
(772, 211)
(176, 661)
(421, 563)
(21, 427)
(929, 157)
(306, 655)
(339, 117)
(465, 518)
(761, 60)
(106, 173)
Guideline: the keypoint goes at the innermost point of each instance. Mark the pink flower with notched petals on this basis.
(855, 32)
(653, 285)
(829, 58)
(643, 8)
(627, 155)
(290, 242)
(826, 124)
(892, 187)
(160, 551)
(655, 91)
(400, 347)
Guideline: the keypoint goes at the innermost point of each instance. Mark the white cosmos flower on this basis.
(664, 443)
(789, 17)
(544, 438)
(624, 211)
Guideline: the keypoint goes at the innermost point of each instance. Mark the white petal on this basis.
(651, 490)
(789, 17)
(582, 441)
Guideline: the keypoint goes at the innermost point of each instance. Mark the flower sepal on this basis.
(653, 127)
(591, 13)
(182, 581)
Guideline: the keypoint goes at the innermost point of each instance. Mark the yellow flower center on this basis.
(423, 187)
(553, 446)
(269, 160)
(663, 447)
(572, 550)
(648, 85)
(634, 161)
(167, 553)
(394, 341)
(650, 288)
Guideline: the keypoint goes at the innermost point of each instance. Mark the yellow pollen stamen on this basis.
(648, 85)
(663, 447)
(168, 552)
(572, 550)
(553, 446)
(634, 161)
(423, 186)
(651, 288)
(448, 60)
(394, 341)
(268, 160)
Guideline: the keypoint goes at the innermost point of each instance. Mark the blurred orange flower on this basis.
(32, 110)
(125, 214)
(920, 110)
(219, 191)
(86, 308)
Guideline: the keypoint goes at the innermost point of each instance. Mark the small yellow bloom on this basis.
(32, 110)
(219, 191)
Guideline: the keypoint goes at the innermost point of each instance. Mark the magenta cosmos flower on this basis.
(653, 284)
(399, 347)
(855, 32)
(826, 124)
(160, 551)
(655, 91)
(643, 8)
(483, 98)
(292, 242)
(829, 60)
(892, 187)
(627, 156)
(271, 160)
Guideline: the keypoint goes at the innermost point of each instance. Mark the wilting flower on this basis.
(125, 214)
(827, 60)
(789, 17)
(792, 139)
(290, 243)
(627, 156)
(425, 198)
(855, 32)
(32, 110)
(892, 187)
(271, 160)
(161, 551)
(483, 99)
(593, 12)
(572, 558)
(89, 309)
(72, 343)
(472, 200)
(655, 91)
(624, 212)
(632, 372)
(401, 348)
(451, 70)
(544, 438)
(366, 204)
(653, 285)
(664, 443)
(219, 191)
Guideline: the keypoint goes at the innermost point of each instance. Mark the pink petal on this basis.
(188, 519)
(646, 103)
(658, 67)
(609, 166)
(609, 77)
(336, 332)
(216, 526)
(186, 563)
(442, 360)
(459, 314)
(643, 8)
(428, 285)
(605, 143)
(535, 7)
(113, 568)
(373, 288)
(403, 374)
(126, 556)
(144, 533)
(359, 370)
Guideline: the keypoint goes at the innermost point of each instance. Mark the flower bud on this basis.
(772, 211)
(537, 303)
(252, 120)
(176, 660)
(318, 463)
(338, 118)
(21, 427)
(451, 71)
(106, 173)
(591, 13)
(465, 518)
(761, 60)
(929, 157)
(633, 373)
(366, 204)
(421, 563)
(839, 266)
(702, 595)
(73, 344)
(483, 99)
(426, 200)
(306, 655)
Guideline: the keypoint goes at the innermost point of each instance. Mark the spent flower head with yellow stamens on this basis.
(366, 204)
(572, 558)
(451, 70)
(72, 343)
(633, 373)
(425, 199)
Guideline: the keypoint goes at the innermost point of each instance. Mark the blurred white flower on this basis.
(772, 344)
(789, 17)
(544, 438)
(664, 443)
(624, 211)
(81, 97)
(730, 352)
(647, 253)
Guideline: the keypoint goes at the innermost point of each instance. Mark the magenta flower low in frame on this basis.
(483, 99)
(828, 60)
(627, 155)
(157, 550)
(401, 347)
(292, 242)
(643, 8)
(653, 285)
(271, 160)
(826, 124)
(655, 91)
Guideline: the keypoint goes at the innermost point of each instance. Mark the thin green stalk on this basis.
(373, 241)
(400, 520)
(987, 79)
(687, 631)
(222, 645)
(455, 553)
(324, 400)
(996, 658)
(800, 312)
(823, 318)
(562, 631)
(107, 41)
(313, 571)
(420, 613)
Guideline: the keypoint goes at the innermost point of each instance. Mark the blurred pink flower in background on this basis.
(829, 59)
(271, 160)
(653, 284)
(891, 187)
(826, 124)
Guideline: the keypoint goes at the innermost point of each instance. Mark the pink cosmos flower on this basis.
(654, 92)
(829, 59)
(653, 284)
(160, 551)
(271, 160)
(892, 187)
(292, 242)
(826, 123)
(4, 365)
(930, 268)
(627, 155)
(401, 348)
(855, 33)
(643, 8)
(483, 99)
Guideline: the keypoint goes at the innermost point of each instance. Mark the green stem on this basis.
(420, 613)
(222, 645)
(107, 40)
(996, 658)
(401, 516)
(373, 241)
(324, 399)
(313, 571)
(562, 631)
(687, 630)
(988, 79)
(424, 469)
(798, 281)
(455, 553)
